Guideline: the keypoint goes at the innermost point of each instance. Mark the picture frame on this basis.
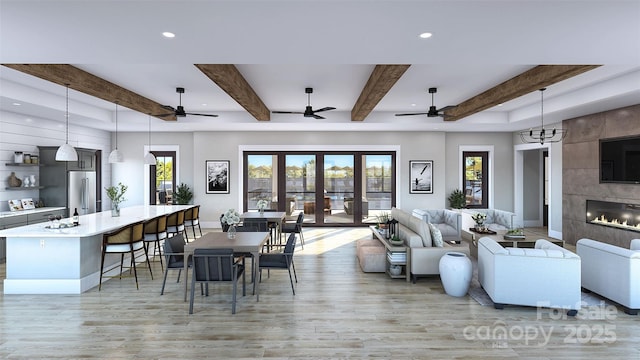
(421, 176)
(217, 176)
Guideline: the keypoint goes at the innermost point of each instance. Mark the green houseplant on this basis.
(457, 200)
(183, 194)
(116, 195)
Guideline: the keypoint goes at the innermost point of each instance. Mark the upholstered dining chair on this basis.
(282, 260)
(295, 227)
(216, 265)
(155, 231)
(174, 255)
(175, 224)
(192, 219)
(125, 240)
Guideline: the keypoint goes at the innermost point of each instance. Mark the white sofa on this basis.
(612, 271)
(497, 220)
(449, 222)
(546, 276)
(415, 233)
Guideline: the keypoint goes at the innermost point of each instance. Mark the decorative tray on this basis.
(483, 232)
(513, 237)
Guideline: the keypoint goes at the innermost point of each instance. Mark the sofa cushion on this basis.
(551, 253)
(420, 227)
(401, 216)
(436, 236)
(436, 216)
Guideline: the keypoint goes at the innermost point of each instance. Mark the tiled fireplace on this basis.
(613, 214)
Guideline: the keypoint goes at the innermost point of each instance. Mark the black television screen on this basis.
(620, 160)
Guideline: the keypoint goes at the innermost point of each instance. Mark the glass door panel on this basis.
(262, 181)
(162, 178)
(475, 182)
(338, 172)
(300, 172)
(377, 190)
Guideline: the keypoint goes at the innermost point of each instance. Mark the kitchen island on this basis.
(66, 260)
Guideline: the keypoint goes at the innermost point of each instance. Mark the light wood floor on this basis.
(338, 312)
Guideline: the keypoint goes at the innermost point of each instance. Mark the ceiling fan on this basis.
(308, 112)
(433, 112)
(179, 111)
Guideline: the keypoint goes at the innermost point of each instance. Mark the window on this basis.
(336, 188)
(162, 177)
(475, 177)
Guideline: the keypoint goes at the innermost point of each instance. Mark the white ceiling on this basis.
(281, 47)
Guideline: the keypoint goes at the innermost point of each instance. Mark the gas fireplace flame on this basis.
(602, 220)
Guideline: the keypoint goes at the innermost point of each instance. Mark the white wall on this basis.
(25, 133)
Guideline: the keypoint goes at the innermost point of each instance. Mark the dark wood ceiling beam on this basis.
(525, 83)
(82, 81)
(229, 79)
(382, 79)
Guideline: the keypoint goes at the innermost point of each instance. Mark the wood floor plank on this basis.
(338, 312)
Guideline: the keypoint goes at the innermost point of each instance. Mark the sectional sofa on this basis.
(425, 256)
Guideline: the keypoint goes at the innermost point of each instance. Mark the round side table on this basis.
(455, 272)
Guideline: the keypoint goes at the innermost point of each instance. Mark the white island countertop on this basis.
(93, 224)
(4, 214)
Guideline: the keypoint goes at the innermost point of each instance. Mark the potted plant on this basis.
(183, 194)
(382, 219)
(457, 200)
(396, 241)
(116, 195)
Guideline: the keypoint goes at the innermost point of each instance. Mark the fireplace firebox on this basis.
(613, 214)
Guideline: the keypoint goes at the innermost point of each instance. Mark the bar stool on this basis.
(175, 224)
(192, 219)
(155, 231)
(125, 240)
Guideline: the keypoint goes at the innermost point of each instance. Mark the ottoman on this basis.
(371, 255)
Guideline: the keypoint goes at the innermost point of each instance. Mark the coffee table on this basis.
(528, 242)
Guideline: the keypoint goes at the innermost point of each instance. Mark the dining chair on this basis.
(295, 227)
(282, 260)
(175, 224)
(125, 240)
(216, 265)
(192, 219)
(174, 255)
(261, 224)
(155, 231)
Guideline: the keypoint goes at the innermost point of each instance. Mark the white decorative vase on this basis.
(32, 179)
(115, 210)
(455, 272)
(26, 182)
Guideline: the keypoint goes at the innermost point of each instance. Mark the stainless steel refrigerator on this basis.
(82, 192)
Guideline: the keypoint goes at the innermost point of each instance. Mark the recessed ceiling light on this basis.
(16, 104)
(168, 34)
(413, 104)
(204, 104)
(499, 104)
(425, 35)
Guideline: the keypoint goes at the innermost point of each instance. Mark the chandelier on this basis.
(542, 135)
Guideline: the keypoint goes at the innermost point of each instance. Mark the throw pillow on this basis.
(436, 236)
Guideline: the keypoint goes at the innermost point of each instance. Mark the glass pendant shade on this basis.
(149, 159)
(116, 156)
(67, 152)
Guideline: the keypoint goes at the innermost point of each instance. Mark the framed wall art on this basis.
(217, 176)
(421, 176)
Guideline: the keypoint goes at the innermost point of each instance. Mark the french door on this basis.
(162, 178)
(476, 178)
(331, 188)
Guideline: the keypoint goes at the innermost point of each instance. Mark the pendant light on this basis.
(542, 135)
(67, 152)
(116, 156)
(149, 158)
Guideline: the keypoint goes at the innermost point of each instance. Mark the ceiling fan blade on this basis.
(318, 116)
(170, 108)
(209, 115)
(287, 112)
(324, 109)
(411, 114)
(163, 115)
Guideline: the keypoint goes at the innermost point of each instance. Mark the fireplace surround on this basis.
(614, 214)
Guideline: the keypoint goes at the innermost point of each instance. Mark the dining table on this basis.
(276, 217)
(243, 242)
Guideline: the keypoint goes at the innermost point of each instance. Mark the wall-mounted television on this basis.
(620, 160)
